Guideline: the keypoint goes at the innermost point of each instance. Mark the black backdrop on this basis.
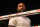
(9, 7)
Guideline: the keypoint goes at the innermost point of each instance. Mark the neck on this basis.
(21, 11)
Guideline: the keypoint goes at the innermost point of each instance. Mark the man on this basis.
(19, 21)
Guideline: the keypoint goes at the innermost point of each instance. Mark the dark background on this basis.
(9, 7)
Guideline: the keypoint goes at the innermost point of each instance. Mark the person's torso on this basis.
(22, 22)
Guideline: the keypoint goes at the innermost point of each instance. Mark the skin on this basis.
(10, 26)
(21, 7)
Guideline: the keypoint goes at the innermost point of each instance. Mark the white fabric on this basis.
(20, 21)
